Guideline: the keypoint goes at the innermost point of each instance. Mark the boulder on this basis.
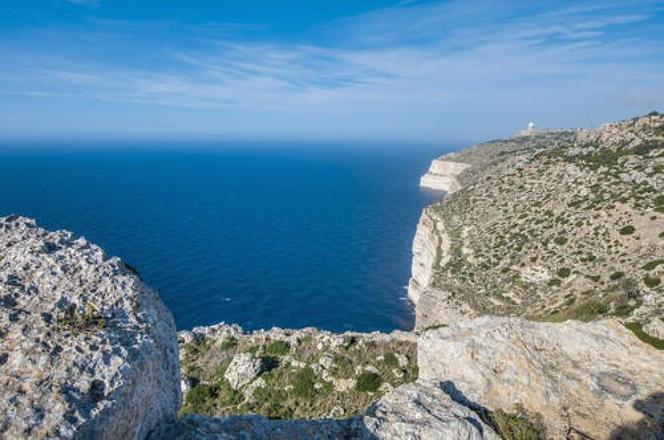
(86, 349)
(424, 411)
(584, 379)
(243, 369)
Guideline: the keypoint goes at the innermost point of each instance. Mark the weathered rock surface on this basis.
(424, 411)
(86, 349)
(587, 379)
(243, 369)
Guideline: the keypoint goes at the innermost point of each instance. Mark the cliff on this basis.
(442, 175)
(550, 227)
(559, 232)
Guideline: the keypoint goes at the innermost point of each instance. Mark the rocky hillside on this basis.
(291, 373)
(555, 226)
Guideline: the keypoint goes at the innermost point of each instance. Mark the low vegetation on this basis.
(305, 374)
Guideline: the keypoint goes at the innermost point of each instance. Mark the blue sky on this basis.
(421, 71)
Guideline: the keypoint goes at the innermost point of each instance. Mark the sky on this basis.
(370, 70)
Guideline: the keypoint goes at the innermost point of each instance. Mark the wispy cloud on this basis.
(426, 66)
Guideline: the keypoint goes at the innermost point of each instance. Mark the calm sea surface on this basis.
(254, 237)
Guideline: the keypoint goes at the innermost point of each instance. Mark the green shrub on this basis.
(303, 384)
(229, 343)
(278, 348)
(651, 281)
(368, 382)
(554, 282)
(560, 241)
(627, 230)
(616, 275)
(564, 272)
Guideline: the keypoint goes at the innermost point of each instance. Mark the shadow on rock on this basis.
(651, 426)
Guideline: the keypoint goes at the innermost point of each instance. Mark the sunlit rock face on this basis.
(86, 349)
(442, 175)
(594, 379)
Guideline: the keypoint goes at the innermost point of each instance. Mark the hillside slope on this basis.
(550, 227)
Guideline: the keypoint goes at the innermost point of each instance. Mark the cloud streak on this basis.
(427, 67)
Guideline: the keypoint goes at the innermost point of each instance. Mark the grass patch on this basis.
(390, 359)
(517, 426)
(278, 348)
(368, 382)
(227, 344)
(637, 329)
(303, 383)
(585, 311)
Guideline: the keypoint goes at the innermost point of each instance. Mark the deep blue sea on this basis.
(261, 238)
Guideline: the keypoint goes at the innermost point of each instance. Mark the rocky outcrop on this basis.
(86, 349)
(442, 175)
(586, 380)
(425, 411)
(243, 369)
(422, 411)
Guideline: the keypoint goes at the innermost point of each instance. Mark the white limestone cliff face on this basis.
(586, 380)
(86, 349)
(430, 250)
(442, 175)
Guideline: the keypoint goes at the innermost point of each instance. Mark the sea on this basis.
(298, 236)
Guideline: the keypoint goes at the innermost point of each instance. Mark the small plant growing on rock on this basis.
(616, 275)
(78, 322)
(564, 272)
(560, 241)
(278, 348)
(653, 264)
(627, 230)
(517, 426)
(303, 384)
(368, 382)
(229, 343)
(390, 359)
(651, 281)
